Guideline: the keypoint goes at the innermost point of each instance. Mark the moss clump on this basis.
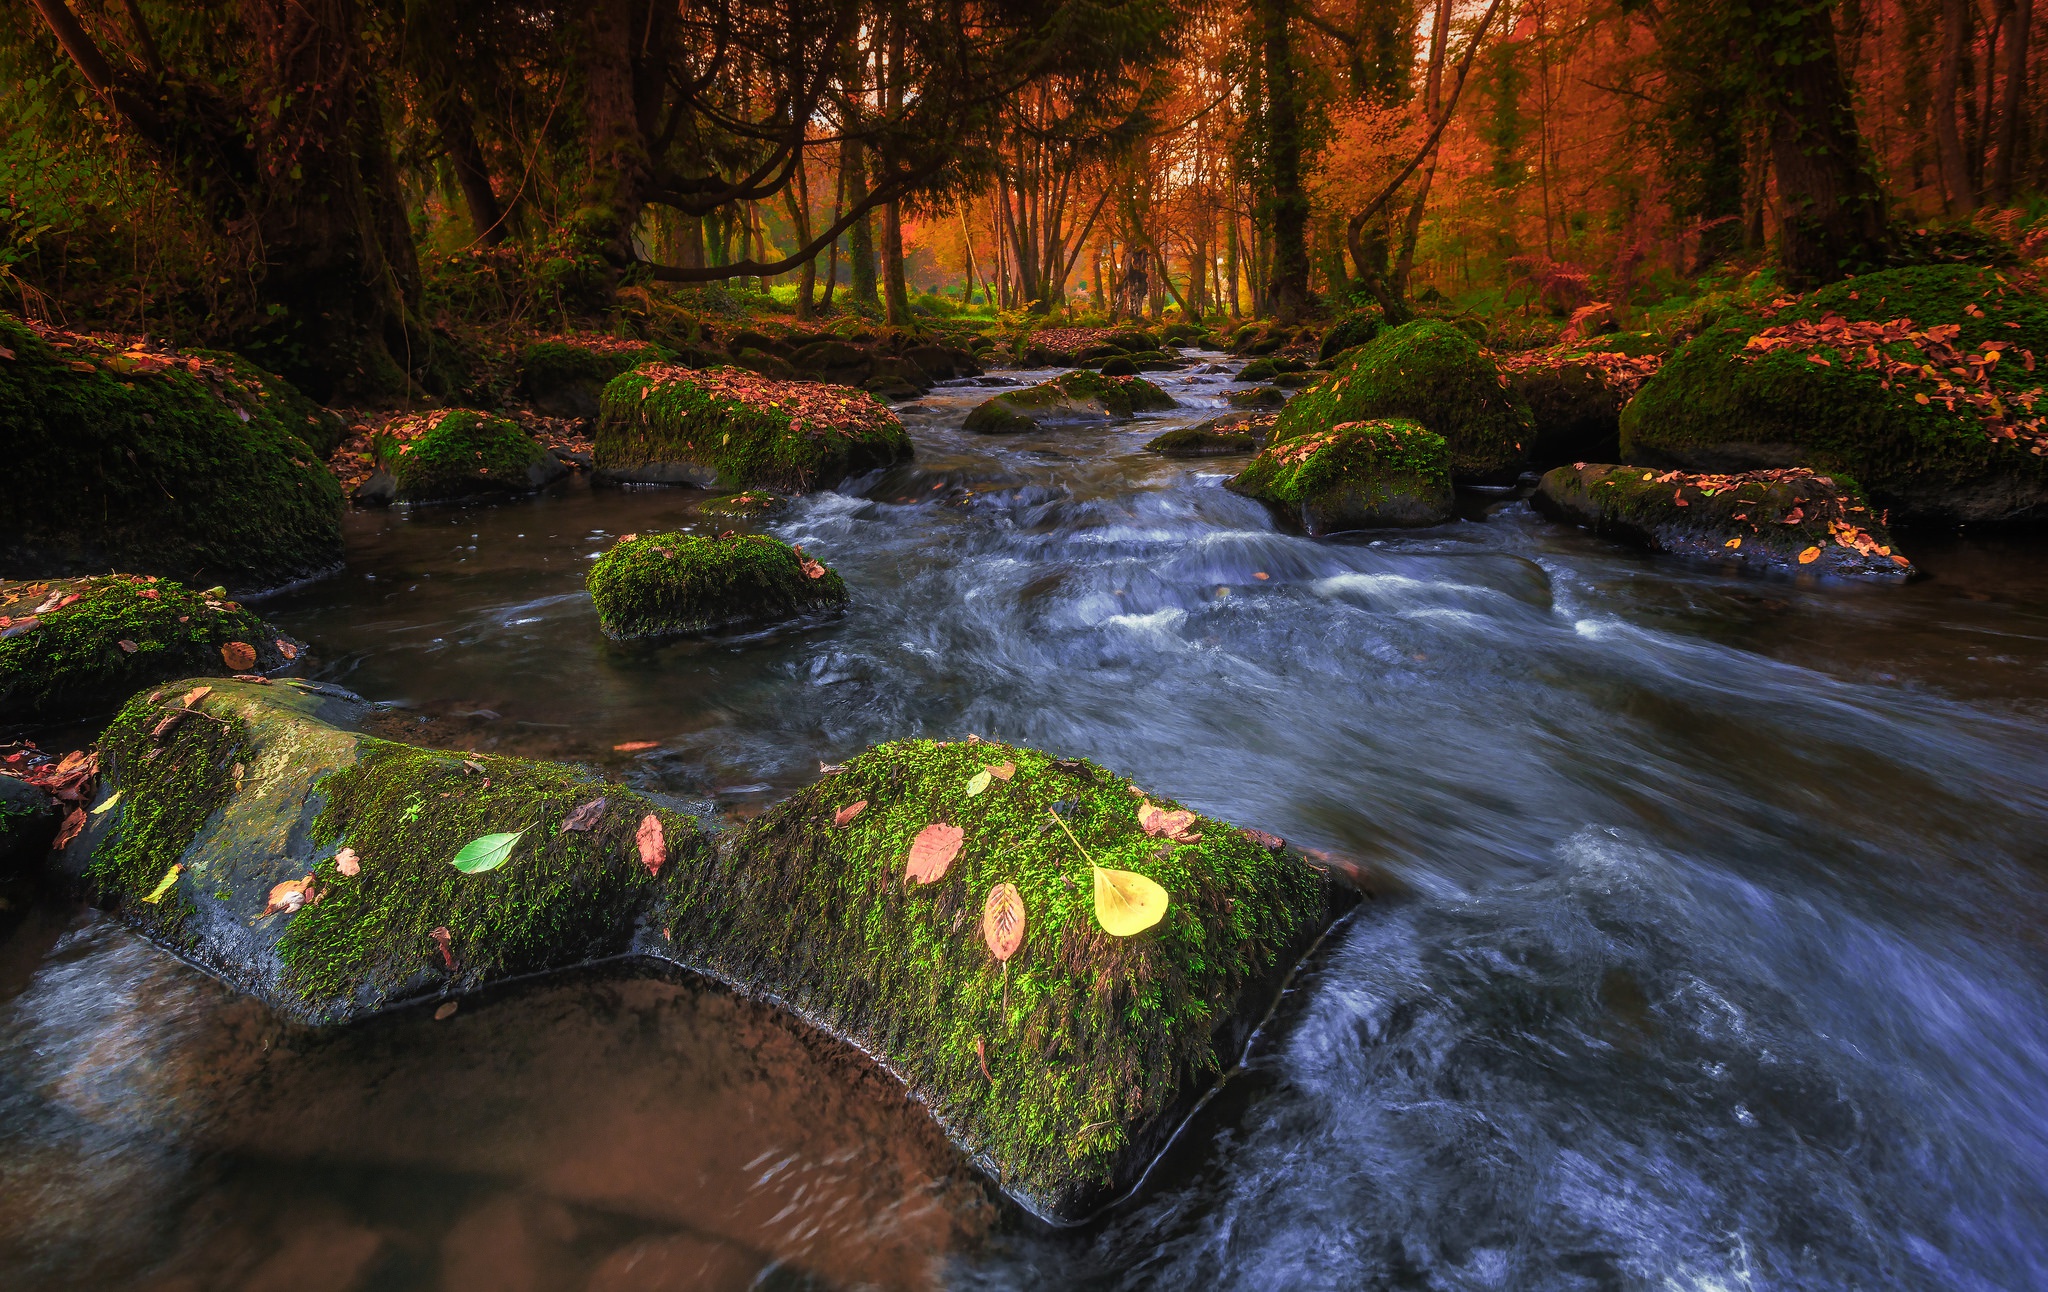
(652, 584)
(1099, 1042)
(562, 897)
(746, 505)
(1428, 372)
(322, 429)
(1080, 395)
(1720, 404)
(662, 424)
(467, 454)
(1349, 332)
(103, 638)
(1361, 475)
(1785, 520)
(141, 463)
(567, 378)
(1234, 433)
(176, 765)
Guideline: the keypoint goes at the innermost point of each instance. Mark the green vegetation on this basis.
(1232, 433)
(1361, 475)
(746, 505)
(467, 454)
(1092, 1043)
(567, 379)
(653, 584)
(1080, 395)
(1431, 373)
(141, 463)
(668, 425)
(106, 637)
(1721, 404)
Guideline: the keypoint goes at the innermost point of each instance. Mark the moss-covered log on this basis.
(1078, 396)
(1361, 475)
(656, 584)
(1784, 521)
(662, 424)
(465, 454)
(1427, 372)
(157, 463)
(71, 648)
(1888, 378)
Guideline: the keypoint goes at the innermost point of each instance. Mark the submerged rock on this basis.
(158, 463)
(1078, 396)
(1781, 520)
(1925, 384)
(657, 584)
(663, 424)
(1361, 475)
(72, 648)
(465, 454)
(744, 505)
(1428, 372)
(1232, 433)
(267, 839)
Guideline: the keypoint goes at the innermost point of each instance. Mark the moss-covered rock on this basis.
(1064, 1076)
(322, 429)
(1257, 397)
(266, 838)
(1231, 433)
(244, 788)
(1079, 396)
(1349, 332)
(748, 504)
(1269, 369)
(1361, 475)
(1783, 521)
(72, 648)
(1118, 366)
(156, 463)
(1575, 396)
(1882, 378)
(566, 378)
(656, 584)
(467, 454)
(663, 424)
(1428, 372)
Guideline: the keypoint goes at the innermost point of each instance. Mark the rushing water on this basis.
(1717, 961)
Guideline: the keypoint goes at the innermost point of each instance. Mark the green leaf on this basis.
(485, 852)
(977, 784)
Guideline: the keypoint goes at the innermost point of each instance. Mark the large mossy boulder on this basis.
(461, 454)
(263, 836)
(72, 648)
(1887, 378)
(1782, 520)
(1575, 394)
(1078, 396)
(663, 424)
(153, 462)
(1361, 475)
(567, 377)
(1428, 372)
(651, 585)
(1217, 437)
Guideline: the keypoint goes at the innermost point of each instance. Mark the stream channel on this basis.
(1711, 956)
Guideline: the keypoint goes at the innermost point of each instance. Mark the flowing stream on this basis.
(1714, 957)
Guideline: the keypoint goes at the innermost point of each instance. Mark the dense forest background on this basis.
(361, 193)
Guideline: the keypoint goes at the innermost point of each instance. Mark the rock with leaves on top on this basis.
(1076, 397)
(460, 453)
(1360, 475)
(651, 585)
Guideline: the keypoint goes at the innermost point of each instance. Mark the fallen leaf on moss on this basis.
(627, 538)
(1809, 556)
(1126, 902)
(981, 1053)
(933, 851)
(442, 939)
(1003, 771)
(1002, 921)
(347, 862)
(485, 852)
(849, 812)
(127, 646)
(977, 783)
(163, 885)
(812, 569)
(239, 656)
(1270, 842)
(290, 896)
(584, 815)
(112, 799)
(195, 695)
(1162, 824)
(653, 847)
(635, 746)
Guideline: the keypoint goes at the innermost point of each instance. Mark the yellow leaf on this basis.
(1733, 542)
(164, 885)
(1127, 902)
(977, 783)
(1809, 556)
(115, 797)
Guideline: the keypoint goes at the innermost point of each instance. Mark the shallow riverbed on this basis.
(1716, 959)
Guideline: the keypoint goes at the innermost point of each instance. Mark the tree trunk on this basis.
(615, 184)
(897, 298)
(1287, 294)
(860, 241)
(486, 216)
(1831, 213)
(1948, 75)
(2005, 167)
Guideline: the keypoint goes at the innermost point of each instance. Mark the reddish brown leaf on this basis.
(635, 746)
(933, 851)
(446, 1010)
(286, 649)
(653, 848)
(1270, 842)
(981, 1053)
(1162, 824)
(849, 812)
(240, 657)
(290, 896)
(127, 646)
(1002, 771)
(195, 695)
(584, 816)
(74, 825)
(443, 938)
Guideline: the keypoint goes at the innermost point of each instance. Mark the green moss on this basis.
(173, 784)
(322, 429)
(1234, 433)
(561, 898)
(685, 583)
(1080, 394)
(112, 464)
(742, 431)
(746, 505)
(73, 662)
(1349, 332)
(546, 367)
(1098, 1039)
(465, 454)
(1714, 406)
(1357, 476)
(1428, 372)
